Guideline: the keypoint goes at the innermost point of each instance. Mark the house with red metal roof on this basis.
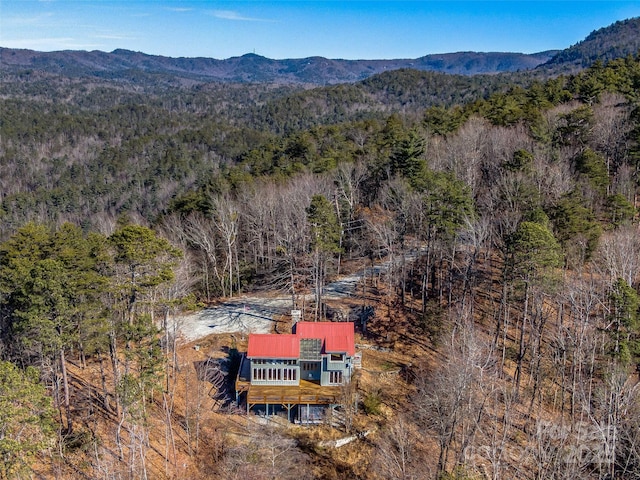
(320, 352)
(301, 371)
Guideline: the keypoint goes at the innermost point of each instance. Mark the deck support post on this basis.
(288, 407)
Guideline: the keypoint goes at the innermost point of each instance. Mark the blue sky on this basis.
(350, 29)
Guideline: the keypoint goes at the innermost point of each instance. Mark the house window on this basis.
(310, 348)
(335, 378)
(290, 374)
(337, 357)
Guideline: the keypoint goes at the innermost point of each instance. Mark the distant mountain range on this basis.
(255, 68)
(619, 39)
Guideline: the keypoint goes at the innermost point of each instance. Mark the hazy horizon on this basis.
(300, 29)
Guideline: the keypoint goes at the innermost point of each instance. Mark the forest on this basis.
(505, 205)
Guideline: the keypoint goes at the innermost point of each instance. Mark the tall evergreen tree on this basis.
(624, 313)
(51, 285)
(26, 420)
(533, 254)
(325, 242)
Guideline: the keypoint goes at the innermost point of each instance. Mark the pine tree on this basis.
(26, 419)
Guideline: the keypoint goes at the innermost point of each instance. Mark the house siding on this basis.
(335, 373)
(285, 372)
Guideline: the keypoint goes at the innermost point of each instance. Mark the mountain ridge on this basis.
(256, 68)
(618, 40)
(614, 41)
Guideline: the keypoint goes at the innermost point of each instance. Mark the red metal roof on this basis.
(273, 346)
(339, 345)
(337, 337)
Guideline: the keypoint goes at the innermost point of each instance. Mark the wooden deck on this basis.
(306, 393)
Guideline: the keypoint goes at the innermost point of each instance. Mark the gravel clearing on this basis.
(254, 314)
(238, 315)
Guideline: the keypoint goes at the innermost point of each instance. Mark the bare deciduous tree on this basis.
(398, 455)
(618, 255)
(265, 454)
(226, 220)
(451, 401)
